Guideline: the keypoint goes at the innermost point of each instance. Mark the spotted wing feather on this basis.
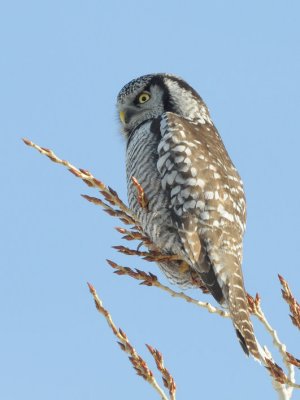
(209, 211)
(206, 193)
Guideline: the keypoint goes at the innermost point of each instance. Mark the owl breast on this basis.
(141, 162)
(156, 220)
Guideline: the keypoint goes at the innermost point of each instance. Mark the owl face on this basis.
(149, 96)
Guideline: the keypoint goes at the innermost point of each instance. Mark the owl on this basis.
(196, 203)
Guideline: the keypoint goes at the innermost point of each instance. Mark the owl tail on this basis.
(238, 307)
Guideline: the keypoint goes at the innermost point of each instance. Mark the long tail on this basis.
(238, 307)
(228, 288)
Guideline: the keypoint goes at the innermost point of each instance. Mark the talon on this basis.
(183, 267)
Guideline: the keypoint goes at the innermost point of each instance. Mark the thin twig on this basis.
(110, 195)
(283, 384)
(141, 196)
(130, 234)
(151, 280)
(147, 255)
(275, 371)
(293, 360)
(291, 301)
(136, 360)
(168, 380)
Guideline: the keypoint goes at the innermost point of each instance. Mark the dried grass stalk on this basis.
(138, 363)
(113, 205)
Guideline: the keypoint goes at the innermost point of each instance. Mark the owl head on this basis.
(149, 96)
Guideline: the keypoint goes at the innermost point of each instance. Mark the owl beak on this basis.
(122, 117)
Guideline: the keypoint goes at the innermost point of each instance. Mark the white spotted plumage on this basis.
(196, 206)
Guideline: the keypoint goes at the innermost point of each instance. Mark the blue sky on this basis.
(62, 64)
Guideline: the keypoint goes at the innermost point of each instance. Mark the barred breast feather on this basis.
(156, 221)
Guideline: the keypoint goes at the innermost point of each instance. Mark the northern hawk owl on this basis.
(196, 202)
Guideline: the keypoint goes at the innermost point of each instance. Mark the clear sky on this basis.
(62, 64)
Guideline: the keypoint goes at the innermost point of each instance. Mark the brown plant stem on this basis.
(136, 360)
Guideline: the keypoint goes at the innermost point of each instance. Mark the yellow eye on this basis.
(143, 97)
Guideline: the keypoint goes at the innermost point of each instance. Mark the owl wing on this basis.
(206, 193)
(208, 208)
